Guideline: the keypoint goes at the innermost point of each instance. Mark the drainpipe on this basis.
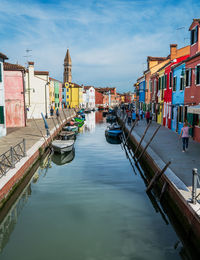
(25, 116)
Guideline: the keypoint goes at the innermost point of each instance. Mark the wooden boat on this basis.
(88, 110)
(67, 135)
(70, 128)
(61, 159)
(112, 140)
(62, 146)
(111, 118)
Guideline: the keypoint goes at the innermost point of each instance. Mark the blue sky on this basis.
(109, 40)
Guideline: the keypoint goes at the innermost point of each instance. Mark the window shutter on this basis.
(196, 34)
(195, 70)
(1, 115)
(190, 78)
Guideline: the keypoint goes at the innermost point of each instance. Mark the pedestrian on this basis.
(51, 111)
(133, 116)
(185, 136)
(141, 114)
(137, 117)
(129, 117)
(147, 116)
(57, 113)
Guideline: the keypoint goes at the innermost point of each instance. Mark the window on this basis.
(150, 85)
(67, 96)
(174, 83)
(67, 90)
(0, 74)
(188, 77)
(194, 35)
(170, 79)
(181, 83)
(197, 74)
(63, 96)
(163, 82)
(2, 115)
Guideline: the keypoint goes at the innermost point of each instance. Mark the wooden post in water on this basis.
(134, 124)
(142, 137)
(157, 176)
(148, 144)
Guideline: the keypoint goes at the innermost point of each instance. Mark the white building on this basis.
(2, 97)
(37, 92)
(89, 97)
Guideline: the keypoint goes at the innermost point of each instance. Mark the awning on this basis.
(194, 109)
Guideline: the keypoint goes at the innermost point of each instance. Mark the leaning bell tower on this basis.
(67, 76)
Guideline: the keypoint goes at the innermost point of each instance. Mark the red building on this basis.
(168, 90)
(192, 89)
(154, 94)
(14, 95)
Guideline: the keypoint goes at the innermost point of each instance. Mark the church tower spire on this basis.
(67, 76)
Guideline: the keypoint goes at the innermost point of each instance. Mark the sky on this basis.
(108, 40)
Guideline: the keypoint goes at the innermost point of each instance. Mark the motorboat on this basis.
(87, 110)
(112, 140)
(111, 118)
(61, 159)
(67, 135)
(62, 146)
(113, 130)
(73, 128)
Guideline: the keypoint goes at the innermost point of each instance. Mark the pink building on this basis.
(14, 95)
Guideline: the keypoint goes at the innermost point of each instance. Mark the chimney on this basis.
(173, 51)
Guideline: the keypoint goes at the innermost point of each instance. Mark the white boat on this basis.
(62, 146)
(70, 128)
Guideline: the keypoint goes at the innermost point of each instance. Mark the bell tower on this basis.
(67, 75)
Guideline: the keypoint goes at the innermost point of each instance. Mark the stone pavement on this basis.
(31, 132)
(167, 145)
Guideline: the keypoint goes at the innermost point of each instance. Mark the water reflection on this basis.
(61, 159)
(89, 125)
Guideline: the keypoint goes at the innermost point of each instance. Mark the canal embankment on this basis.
(36, 141)
(177, 178)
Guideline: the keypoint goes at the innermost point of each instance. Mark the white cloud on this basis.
(109, 40)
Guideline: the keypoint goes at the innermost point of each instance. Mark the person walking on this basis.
(129, 117)
(133, 116)
(185, 136)
(147, 116)
(51, 111)
(57, 113)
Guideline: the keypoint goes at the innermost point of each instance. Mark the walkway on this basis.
(31, 132)
(168, 146)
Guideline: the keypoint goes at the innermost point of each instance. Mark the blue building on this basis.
(141, 82)
(178, 108)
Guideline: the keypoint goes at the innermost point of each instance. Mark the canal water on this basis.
(89, 206)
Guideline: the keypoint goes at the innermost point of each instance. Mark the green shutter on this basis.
(1, 115)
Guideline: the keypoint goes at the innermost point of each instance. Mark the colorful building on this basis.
(192, 90)
(89, 96)
(14, 95)
(178, 115)
(37, 92)
(51, 93)
(72, 95)
(3, 57)
(141, 82)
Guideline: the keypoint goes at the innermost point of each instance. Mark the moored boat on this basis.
(67, 135)
(62, 146)
(113, 130)
(70, 128)
(61, 159)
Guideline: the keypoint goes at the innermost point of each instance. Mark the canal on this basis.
(88, 206)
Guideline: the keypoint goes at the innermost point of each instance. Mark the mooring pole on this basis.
(134, 124)
(148, 144)
(142, 137)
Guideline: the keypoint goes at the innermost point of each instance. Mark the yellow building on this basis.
(161, 87)
(74, 95)
(51, 94)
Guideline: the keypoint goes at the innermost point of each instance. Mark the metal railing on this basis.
(195, 182)
(11, 157)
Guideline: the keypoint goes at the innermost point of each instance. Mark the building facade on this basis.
(37, 92)
(67, 75)
(14, 95)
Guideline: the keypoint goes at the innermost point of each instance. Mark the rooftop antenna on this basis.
(27, 55)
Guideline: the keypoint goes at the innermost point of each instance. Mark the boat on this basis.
(112, 140)
(67, 135)
(111, 118)
(70, 128)
(79, 121)
(113, 130)
(105, 113)
(62, 146)
(61, 159)
(88, 110)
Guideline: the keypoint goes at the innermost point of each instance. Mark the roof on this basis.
(10, 66)
(3, 56)
(88, 87)
(67, 57)
(150, 58)
(103, 90)
(54, 79)
(37, 72)
(194, 20)
(164, 66)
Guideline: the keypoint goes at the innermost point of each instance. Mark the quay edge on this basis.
(176, 198)
(15, 176)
